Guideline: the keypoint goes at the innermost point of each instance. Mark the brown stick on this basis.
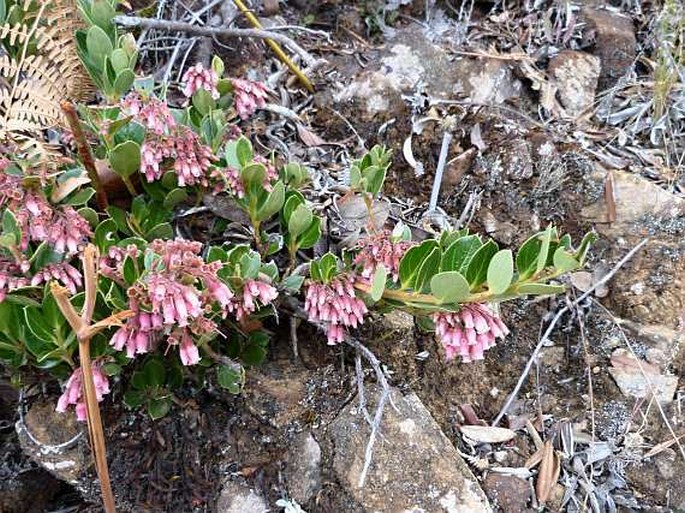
(85, 154)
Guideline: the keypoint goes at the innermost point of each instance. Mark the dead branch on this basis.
(178, 26)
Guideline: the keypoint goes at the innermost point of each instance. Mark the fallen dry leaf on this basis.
(550, 467)
(62, 189)
(487, 434)
(308, 137)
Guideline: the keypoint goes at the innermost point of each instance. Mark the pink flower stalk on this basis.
(197, 77)
(64, 228)
(137, 334)
(254, 292)
(380, 249)
(111, 263)
(172, 299)
(336, 305)
(249, 96)
(74, 393)
(153, 113)
(191, 159)
(469, 332)
(64, 272)
(10, 277)
(188, 351)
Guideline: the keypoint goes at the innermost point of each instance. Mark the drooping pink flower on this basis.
(249, 96)
(152, 113)
(254, 293)
(11, 277)
(63, 272)
(197, 77)
(381, 249)
(469, 332)
(188, 350)
(336, 305)
(74, 393)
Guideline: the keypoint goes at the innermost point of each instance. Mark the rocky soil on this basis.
(526, 94)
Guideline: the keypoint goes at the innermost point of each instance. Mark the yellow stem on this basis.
(275, 46)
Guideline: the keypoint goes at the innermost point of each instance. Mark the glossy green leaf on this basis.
(311, 235)
(293, 199)
(229, 378)
(155, 374)
(130, 272)
(243, 151)
(124, 81)
(429, 267)
(293, 283)
(35, 322)
(161, 231)
(203, 101)
(544, 249)
(81, 197)
(564, 261)
(158, 408)
(105, 235)
(274, 202)
(477, 271)
(175, 197)
(500, 271)
(449, 287)
(527, 256)
(10, 227)
(119, 59)
(411, 261)
(459, 253)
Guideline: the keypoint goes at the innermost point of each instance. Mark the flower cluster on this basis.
(381, 249)
(10, 277)
(74, 393)
(249, 96)
(229, 178)
(168, 144)
(253, 292)
(174, 298)
(469, 332)
(197, 78)
(336, 305)
(63, 272)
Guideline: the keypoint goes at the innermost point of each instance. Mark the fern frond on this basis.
(41, 70)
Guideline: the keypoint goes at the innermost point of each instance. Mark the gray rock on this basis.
(303, 473)
(415, 467)
(575, 75)
(641, 379)
(236, 497)
(55, 441)
(610, 36)
(411, 61)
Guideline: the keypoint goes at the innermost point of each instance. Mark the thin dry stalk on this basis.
(81, 326)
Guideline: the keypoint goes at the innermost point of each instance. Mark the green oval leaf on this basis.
(500, 271)
(449, 287)
(380, 278)
(564, 261)
(125, 158)
(540, 289)
(158, 408)
(99, 46)
(300, 220)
